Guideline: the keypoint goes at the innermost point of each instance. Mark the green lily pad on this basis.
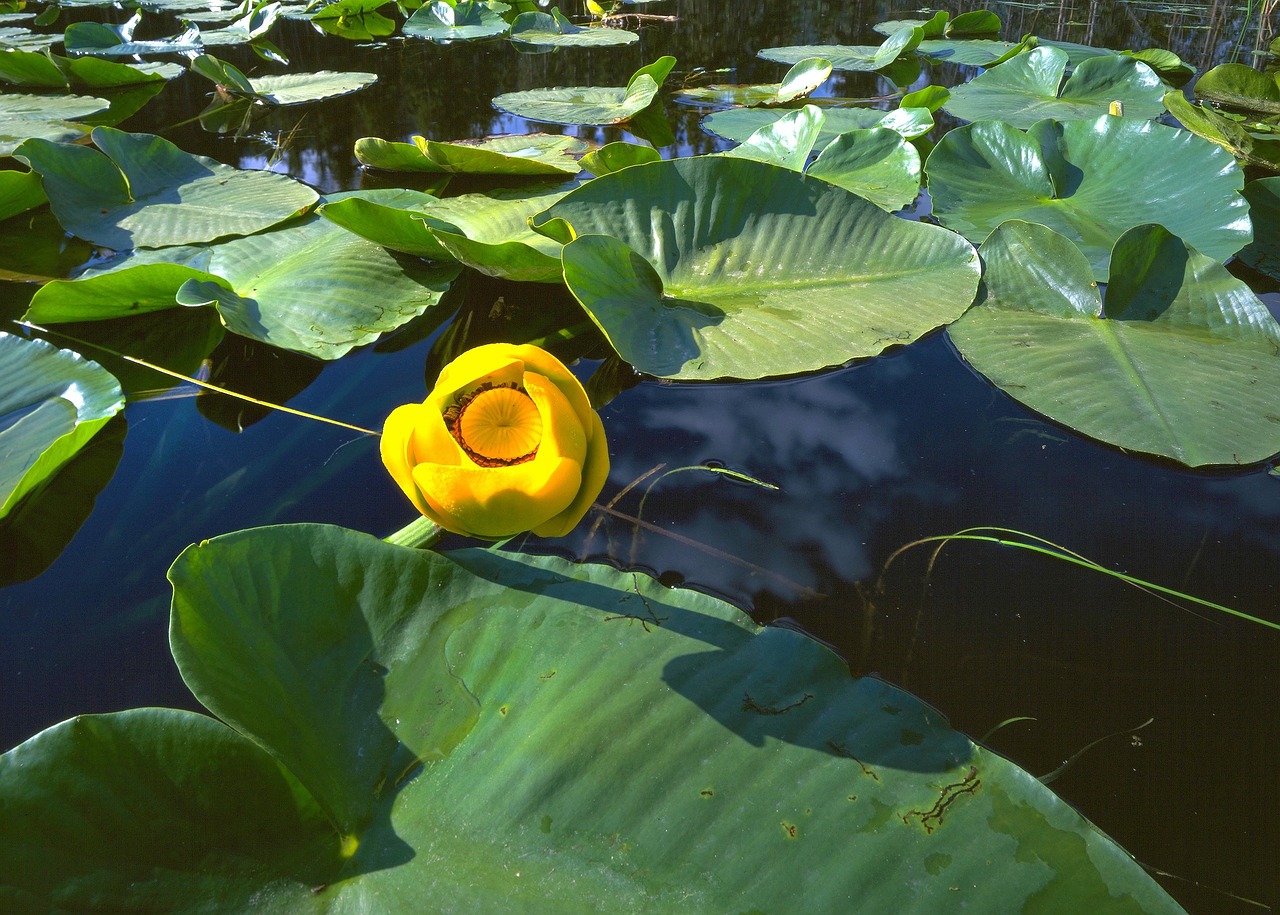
(538, 154)
(400, 224)
(877, 164)
(487, 232)
(47, 117)
(729, 268)
(50, 71)
(801, 80)
(1241, 88)
(52, 402)
(851, 57)
(491, 233)
(465, 21)
(401, 726)
(142, 191)
(1263, 253)
(1232, 136)
(311, 287)
(100, 40)
(553, 30)
(974, 52)
(1183, 365)
(589, 104)
(738, 124)
(972, 24)
(19, 192)
(614, 157)
(1090, 181)
(1031, 87)
(356, 19)
(252, 26)
(300, 88)
(25, 39)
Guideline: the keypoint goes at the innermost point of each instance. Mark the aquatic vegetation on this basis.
(406, 722)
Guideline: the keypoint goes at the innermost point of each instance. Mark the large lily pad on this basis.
(974, 52)
(553, 30)
(52, 402)
(723, 267)
(589, 104)
(1241, 88)
(1184, 364)
(1231, 135)
(45, 116)
(142, 191)
(100, 40)
(538, 154)
(739, 124)
(360, 20)
(426, 730)
(852, 57)
(801, 80)
(50, 71)
(1031, 87)
(465, 21)
(973, 24)
(1090, 181)
(877, 164)
(311, 287)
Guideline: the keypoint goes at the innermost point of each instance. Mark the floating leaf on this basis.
(525, 154)
(43, 116)
(613, 157)
(974, 52)
(801, 80)
(311, 287)
(721, 267)
(1230, 135)
(738, 124)
(553, 30)
(398, 224)
(300, 88)
(357, 19)
(1090, 181)
(1183, 365)
(589, 104)
(101, 40)
(26, 40)
(1031, 87)
(852, 57)
(19, 192)
(52, 402)
(465, 21)
(1241, 88)
(372, 693)
(142, 191)
(252, 26)
(49, 71)
(972, 24)
(787, 141)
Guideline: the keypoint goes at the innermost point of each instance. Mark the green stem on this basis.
(1084, 563)
(420, 533)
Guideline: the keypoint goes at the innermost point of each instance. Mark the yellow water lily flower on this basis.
(505, 442)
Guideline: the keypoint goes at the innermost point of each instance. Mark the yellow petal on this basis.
(594, 473)
(493, 362)
(563, 434)
(499, 501)
(548, 366)
(397, 450)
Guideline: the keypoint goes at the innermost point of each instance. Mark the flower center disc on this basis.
(499, 426)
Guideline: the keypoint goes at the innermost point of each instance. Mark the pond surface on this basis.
(866, 459)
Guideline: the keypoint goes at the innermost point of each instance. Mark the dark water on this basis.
(867, 459)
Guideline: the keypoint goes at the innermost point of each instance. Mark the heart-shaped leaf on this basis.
(722, 267)
(1090, 181)
(801, 80)
(1183, 365)
(525, 154)
(1030, 88)
(553, 30)
(43, 116)
(442, 728)
(52, 402)
(589, 104)
(739, 124)
(852, 57)
(465, 21)
(141, 191)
